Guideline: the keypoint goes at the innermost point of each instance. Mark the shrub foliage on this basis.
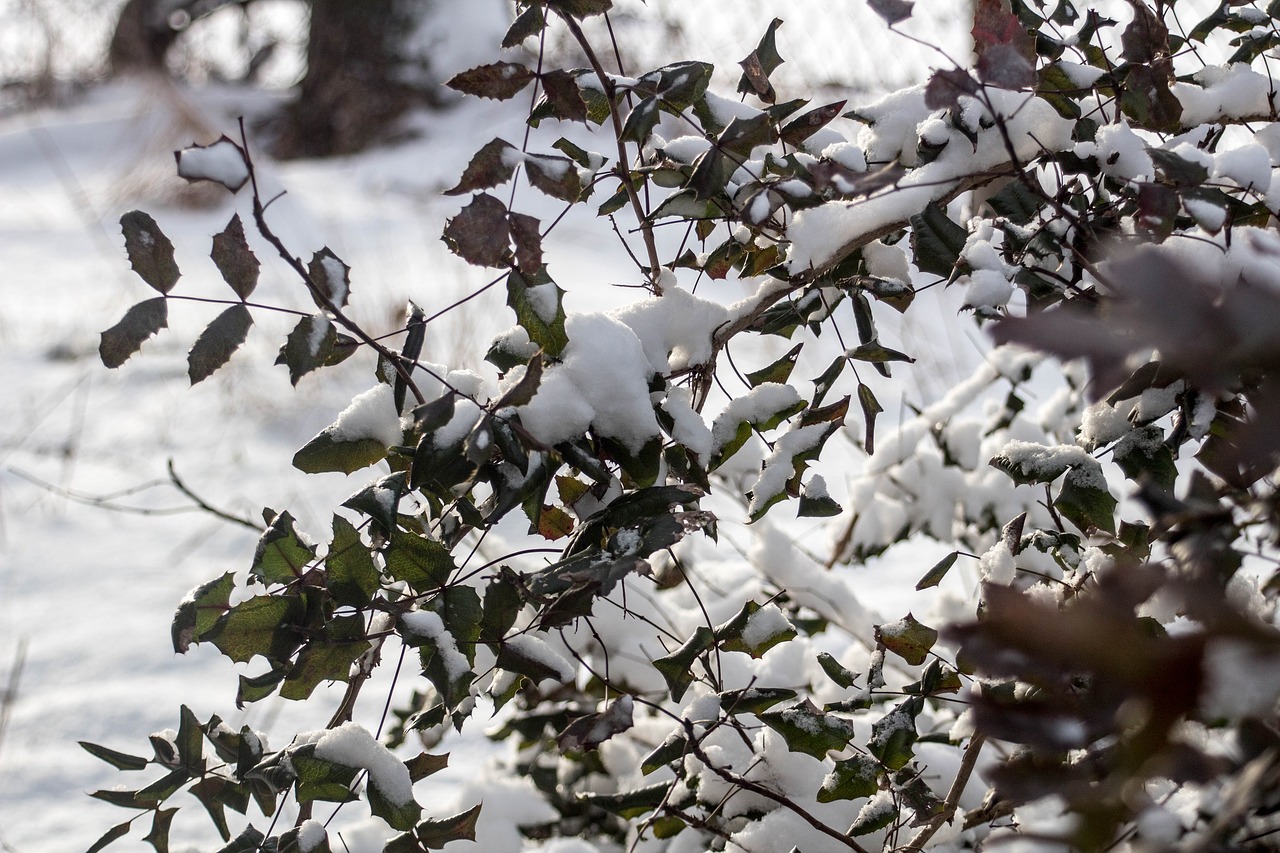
(671, 679)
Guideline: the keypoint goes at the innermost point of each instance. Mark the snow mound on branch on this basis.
(370, 415)
(820, 235)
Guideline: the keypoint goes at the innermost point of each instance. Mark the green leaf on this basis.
(836, 671)
(817, 506)
(434, 834)
(350, 574)
(330, 276)
(875, 352)
(158, 837)
(498, 81)
(421, 562)
(321, 779)
(263, 625)
(894, 734)
(875, 815)
(256, 688)
(908, 639)
(671, 749)
(190, 742)
(401, 816)
(640, 122)
(807, 729)
(308, 346)
(677, 667)
(779, 371)
(234, 259)
(120, 830)
(629, 804)
(755, 630)
(939, 571)
(118, 760)
(759, 64)
(126, 337)
(330, 452)
(321, 662)
(200, 610)
(217, 342)
(1085, 504)
(281, 556)
(850, 779)
(380, 501)
(514, 658)
(753, 700)
(936, 241)
(538, 303)
(1143, 453)
(150, 252)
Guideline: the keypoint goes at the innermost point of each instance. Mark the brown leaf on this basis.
(946, 86)
(490, 166)
(560, 89)
(478, 234)
(525, 231)
(234, 259)
(498, 80)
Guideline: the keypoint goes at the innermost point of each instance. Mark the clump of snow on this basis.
(987, 291)
(371, 415)
(779, 466)
(429, 626)
(1248, 166)
(818, 235)
(889, 262)
(536, 649)
(1103, 423)
(335, 273)
(319, 330)
(602, 382)
(846, 154)
(222, 162)
(351, 745)
(1122, 153)
(688, 428)
(1209, 216)
(997, 565)
(724, 110)
(763, 625)
(544, 300)
(311, 835)
(755, 407)
(1224, 92)
(686, 149)
(816, 487)
(674, 329)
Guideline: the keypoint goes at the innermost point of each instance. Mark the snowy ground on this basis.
(87, 592)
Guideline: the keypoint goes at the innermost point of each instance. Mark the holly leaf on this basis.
(217, 342)
(807, 729)
(149, 250)
(234, 259)
(308, 347)
(850, 779)
(759, 64)
(908, 639)
(492, 165)
(126, 337)
(478, 234)
(497, 80)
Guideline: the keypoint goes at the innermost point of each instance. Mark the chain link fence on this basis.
(842, 45)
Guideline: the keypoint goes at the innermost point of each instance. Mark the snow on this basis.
(335, 274)
(371, 415)
(754, 407)
(819, 235)
(888, 262)
(1224, 92)
(987, 290)
(536, 649)
(779, 465)
(1121, 153)
(429, 626)
(352, 745)
(688, 429)
(1248, 166)
(311, 835)
(222, 162)
(763, 625)
(602, 382)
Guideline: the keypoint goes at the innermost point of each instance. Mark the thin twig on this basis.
(949, 805)
(624, 172)
(204, 505)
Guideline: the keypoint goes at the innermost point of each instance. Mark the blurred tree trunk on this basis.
(362, 75)
(362, 69)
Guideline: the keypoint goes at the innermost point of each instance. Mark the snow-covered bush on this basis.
(688, 672)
